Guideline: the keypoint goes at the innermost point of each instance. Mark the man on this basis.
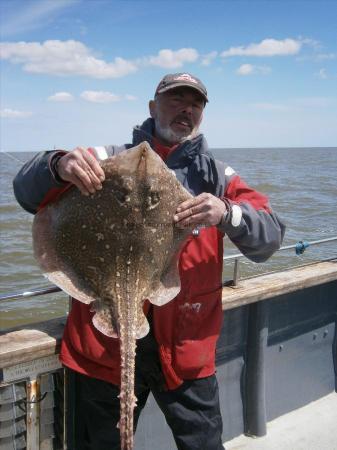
(176, 361)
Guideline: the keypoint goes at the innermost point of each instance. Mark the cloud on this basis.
(245, 69)
(71, 57)
(14, 114)
(172, 59)
(322, 74)
(317, 57)
(61, 97)
(100, 96)
(208, 58)
(21, 17)
(249, 69)
(267, 48)
(316, 45)
(63, 58)
(130, 97)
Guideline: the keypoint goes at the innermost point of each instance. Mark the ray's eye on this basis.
(152, 200)
(122, 196)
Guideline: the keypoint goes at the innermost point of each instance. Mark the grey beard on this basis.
(168, 135)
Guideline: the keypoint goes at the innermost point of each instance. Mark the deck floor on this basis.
(312, 427)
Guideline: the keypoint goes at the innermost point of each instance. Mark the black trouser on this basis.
(191, 411)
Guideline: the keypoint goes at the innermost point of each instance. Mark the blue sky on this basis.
(81, 72)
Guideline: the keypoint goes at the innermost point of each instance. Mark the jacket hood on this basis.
(186, 151)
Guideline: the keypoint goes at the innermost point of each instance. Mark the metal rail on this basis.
(33, 293)
(296, 246)
(299, 247)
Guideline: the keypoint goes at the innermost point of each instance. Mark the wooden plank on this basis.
(30, 342)
(279, 283)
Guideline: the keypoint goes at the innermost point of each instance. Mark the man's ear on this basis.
(152, 108)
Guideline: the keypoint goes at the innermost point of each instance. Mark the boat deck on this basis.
(277, 352)
(312, 427)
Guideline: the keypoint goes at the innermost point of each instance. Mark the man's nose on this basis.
(188, 108)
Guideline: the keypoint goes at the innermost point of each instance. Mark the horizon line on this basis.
(211, 148)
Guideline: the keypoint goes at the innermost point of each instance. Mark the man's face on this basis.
(177, 114)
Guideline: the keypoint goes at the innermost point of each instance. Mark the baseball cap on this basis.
(175, 80)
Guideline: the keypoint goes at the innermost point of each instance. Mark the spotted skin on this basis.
(114, 249)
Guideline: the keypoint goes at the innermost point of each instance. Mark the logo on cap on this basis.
(185, 77)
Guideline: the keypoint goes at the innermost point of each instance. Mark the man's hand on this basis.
(203, 210)
(82, 169)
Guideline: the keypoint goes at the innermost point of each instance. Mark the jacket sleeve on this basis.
(253, 227)
(37, 182)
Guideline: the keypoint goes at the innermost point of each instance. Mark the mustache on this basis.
(183, 118)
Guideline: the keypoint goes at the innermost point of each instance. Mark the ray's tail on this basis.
(127, 396)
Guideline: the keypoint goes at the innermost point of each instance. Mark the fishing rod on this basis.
(11, 156)
(2, 152)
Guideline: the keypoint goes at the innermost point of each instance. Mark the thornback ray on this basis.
(116, 248)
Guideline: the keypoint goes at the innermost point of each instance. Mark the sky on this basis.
(81, 72)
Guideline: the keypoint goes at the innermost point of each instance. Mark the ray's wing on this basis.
(49, 261)
(169, 284)
(105, 318)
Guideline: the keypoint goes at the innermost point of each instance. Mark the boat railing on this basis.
(299, 248)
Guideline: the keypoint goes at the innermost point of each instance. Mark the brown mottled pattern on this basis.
(116, 248)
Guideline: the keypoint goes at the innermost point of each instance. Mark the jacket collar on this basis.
(183, 154)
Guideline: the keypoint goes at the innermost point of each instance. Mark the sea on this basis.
(301, 184)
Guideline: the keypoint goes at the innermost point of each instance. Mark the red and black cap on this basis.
(175, 80)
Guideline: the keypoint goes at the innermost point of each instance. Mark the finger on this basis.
(85, 180)
(88, 164)
(192, 211)
(79, 184)
(77, 181)
(85, 161)
(193, 221)
(188, 204)
(95, 181)
(94, 165)
(188, 213)
(75, 167)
